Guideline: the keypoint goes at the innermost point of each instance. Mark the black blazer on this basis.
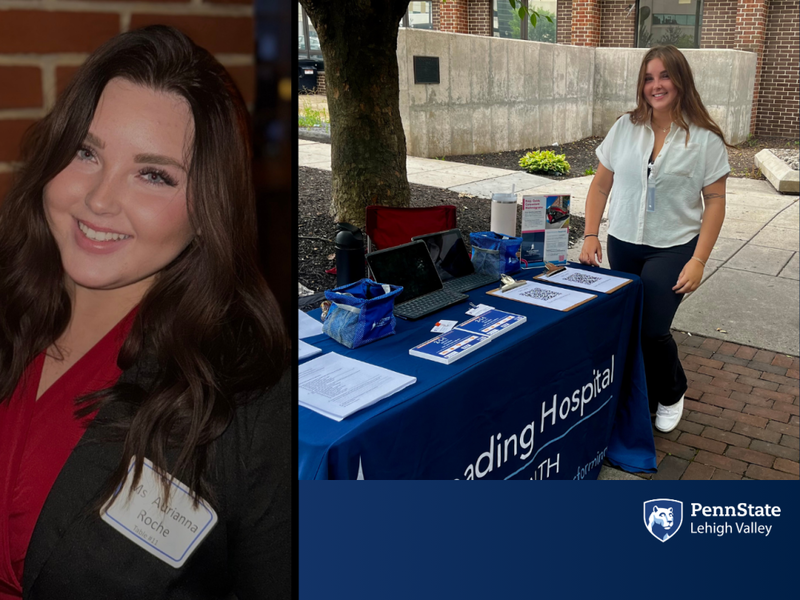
(75, 555)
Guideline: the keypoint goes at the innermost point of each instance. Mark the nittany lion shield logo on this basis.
(663, 517)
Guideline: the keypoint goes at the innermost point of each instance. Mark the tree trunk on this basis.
(368, 146)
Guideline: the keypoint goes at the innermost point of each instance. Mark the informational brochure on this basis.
(492, 323)
(545, 230)
(538, 294)
(586, 279)
(467, 336)
(306, 350)
(449, 347)
(307, 326)
(337, 386)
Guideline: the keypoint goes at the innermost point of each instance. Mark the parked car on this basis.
(555, 214)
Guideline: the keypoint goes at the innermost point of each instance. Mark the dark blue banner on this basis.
(424, 540)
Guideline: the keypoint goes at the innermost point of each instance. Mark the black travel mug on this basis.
(349, 254)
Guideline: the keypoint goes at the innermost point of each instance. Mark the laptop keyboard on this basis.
(469, 282)
(428, 303)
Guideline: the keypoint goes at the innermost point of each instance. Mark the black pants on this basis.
(659, 269)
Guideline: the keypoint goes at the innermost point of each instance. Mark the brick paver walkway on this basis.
(740, 418)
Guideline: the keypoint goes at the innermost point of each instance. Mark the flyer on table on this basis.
(545, 230)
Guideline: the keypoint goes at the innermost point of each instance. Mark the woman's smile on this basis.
(101, 235)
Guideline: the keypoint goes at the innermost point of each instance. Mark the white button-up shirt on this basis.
(680, 171)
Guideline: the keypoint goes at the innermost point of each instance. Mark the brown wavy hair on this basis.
(688, 106)
(209, 323)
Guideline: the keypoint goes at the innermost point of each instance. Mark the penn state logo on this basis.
(663, 517)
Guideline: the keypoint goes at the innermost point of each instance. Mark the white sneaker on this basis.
(668, 417)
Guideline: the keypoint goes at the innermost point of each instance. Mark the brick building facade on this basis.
(42, 47)
(769, 28)
(778, 100)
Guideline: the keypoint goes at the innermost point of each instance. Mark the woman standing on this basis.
(666, 161)
(144, 408)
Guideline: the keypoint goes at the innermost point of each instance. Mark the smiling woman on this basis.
(662, 168)
(144, 406)
(117, 217)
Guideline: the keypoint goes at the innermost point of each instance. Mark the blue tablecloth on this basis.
(548, 400)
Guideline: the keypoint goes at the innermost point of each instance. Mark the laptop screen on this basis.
(449, 253)
(408, 265)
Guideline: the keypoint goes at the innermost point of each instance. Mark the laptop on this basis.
(452, 261)
(410, 265)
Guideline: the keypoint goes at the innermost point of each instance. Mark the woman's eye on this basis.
(157, 177)
(85, 154)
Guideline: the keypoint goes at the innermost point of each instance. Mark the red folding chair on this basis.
(387, 226)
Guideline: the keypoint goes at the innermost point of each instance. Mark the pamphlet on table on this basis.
(467, 336)
(337, 386)
(586, 279)
(547, 296)
(545, 230)
(307, 326)
(306, 350)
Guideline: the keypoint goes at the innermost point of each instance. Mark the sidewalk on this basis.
(742, 324)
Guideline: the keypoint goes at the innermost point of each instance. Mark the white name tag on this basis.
(170, 530)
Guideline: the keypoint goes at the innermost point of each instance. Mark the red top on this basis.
(37, 437)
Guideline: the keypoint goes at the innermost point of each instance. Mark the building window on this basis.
(674, 22)
(418, 16)
(506, 22)
(307, 40)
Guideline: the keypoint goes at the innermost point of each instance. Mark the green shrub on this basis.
(312, 118)
(590, 171)
(544, 161)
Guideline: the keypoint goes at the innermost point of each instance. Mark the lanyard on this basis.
(651, 188)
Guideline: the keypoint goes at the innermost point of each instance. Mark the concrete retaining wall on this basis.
(499, 94)
(495, 94)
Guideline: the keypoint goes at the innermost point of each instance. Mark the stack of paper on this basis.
(538, 294)
(306, 350)
(450, 346)
(337, 386)
(307, 327)
(587, 279)
(467, 336)
(492, 323)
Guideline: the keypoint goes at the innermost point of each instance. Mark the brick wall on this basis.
(719, 24)
(564, 22)
(778, 99)
(454, 16)
(321, 87)
(586, 23)
(480, 17)
(42, 43)
(617, 27)
(751, 25)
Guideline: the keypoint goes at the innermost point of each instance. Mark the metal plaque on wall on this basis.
(426, 69)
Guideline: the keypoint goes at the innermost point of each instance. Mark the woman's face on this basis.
(659, 92)
(118, 211)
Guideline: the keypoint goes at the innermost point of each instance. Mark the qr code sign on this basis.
(583, 278)
(541, 294)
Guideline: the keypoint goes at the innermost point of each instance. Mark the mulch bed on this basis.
(317, 229)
